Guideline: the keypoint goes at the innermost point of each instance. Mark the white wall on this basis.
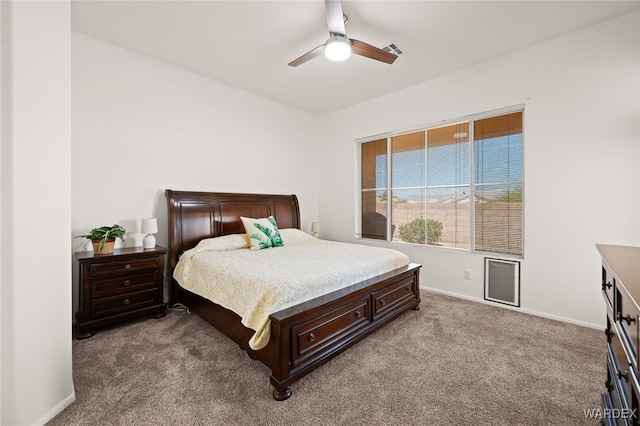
(36, 211)
(141, 126)
(582, 111)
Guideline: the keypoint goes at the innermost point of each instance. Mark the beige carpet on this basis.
(453, 362)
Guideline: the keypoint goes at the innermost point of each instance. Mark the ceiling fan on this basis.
(339, 47)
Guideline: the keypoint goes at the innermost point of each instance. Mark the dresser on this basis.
(117, 287)
(621, 292)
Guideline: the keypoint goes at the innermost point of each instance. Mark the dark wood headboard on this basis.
(197, 215)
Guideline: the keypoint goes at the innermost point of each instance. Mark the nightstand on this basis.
(118, 287)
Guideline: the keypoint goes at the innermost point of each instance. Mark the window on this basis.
(374, 189)
(457, 185)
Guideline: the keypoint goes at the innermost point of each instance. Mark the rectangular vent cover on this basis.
(393, 48)
(502, 281)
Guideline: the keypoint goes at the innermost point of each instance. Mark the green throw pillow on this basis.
(263, 233)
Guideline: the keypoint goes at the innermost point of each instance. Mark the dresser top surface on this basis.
(624, 262)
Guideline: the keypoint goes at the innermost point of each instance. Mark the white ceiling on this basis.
(247, 44)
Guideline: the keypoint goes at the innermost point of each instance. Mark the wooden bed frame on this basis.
(304, 336)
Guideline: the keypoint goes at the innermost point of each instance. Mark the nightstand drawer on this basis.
(125, 303)
(123, 284)
(132, 265)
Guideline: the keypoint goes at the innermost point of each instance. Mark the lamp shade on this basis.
(149, 226)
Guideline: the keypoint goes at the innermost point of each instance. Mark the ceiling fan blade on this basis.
(307, 56)
(335, 17)
(363, 49)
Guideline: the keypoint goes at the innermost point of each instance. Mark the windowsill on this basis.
(398, 245)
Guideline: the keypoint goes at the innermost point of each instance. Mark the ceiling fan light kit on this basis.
(339, 47)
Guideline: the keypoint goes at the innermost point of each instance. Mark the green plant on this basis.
(434, 231)
(104, 233)
(413, 232)
(514, 196)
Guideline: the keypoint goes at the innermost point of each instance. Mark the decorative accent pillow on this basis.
(263, 233)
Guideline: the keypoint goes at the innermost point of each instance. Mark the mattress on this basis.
(257, 283)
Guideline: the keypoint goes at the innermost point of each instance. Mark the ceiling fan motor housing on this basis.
(337, 48)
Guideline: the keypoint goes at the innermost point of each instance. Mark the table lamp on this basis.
(315, 229)
(149, 227)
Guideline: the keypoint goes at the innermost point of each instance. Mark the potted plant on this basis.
(104, 238)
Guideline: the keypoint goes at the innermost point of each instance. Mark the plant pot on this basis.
(107, 247)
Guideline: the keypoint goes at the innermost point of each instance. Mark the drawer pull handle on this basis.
(626, 318)
(606, 285)
(358, 314)
(312, 337)
(407, 288)
(622, 374)
(608, 385)
(127, 266)
(609, 333)
(127, 283)
(382, 302)
(127, 301)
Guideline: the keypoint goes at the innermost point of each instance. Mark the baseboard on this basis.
(515, 308)
(56, 410)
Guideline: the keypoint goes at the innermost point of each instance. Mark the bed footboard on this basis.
(310, 334)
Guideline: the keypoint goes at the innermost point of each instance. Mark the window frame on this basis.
(472, 178)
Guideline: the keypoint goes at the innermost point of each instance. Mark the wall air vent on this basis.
(502, 281)
(393, 48)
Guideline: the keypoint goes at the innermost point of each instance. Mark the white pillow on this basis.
(263, 233)
(294, 235)
(224, 243)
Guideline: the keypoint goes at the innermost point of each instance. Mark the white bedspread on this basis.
(255, 284)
